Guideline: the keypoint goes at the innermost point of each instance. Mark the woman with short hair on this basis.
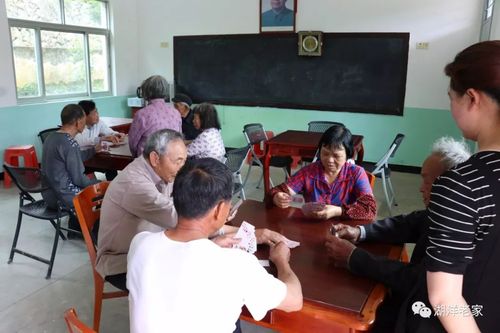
(340, 186)
(157, 114)
(209, 142)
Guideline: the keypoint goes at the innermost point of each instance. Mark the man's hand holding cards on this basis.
(246, 234)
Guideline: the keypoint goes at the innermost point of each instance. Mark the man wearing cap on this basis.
(183, 104)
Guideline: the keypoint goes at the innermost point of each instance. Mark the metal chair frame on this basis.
(321, 126)
(35, 208)
(46, 132)
(256, 137)
(235, 158)
(381, 170)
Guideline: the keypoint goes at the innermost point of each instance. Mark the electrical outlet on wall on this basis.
(422, 45)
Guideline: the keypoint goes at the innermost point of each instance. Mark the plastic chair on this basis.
(381, 170)
(29, 181)
(45, 133)
(255, 134)
(235, 158)
(321, 126)
(11, 156)
(88, 210)
(75, 325)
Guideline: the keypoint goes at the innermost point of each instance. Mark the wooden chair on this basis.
(74, 323)
(371, 179)
(88, 210)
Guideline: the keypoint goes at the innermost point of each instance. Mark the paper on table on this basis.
(246, 234)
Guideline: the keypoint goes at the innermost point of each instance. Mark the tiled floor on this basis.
(30, 303)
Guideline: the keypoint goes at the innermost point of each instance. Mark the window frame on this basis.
(39, 26)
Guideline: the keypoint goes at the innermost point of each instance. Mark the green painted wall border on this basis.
(20, 125)
(421, 127)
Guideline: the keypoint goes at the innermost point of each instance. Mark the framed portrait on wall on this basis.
(277, 15)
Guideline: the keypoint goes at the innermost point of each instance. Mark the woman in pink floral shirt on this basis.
(342, 188)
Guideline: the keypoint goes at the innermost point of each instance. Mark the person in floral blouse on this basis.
(340, 187)
(209, 142)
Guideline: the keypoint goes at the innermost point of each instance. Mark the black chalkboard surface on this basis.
(357, 72)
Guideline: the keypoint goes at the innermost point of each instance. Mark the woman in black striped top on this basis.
(463, 253)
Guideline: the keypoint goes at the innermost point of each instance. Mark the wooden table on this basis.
(300, 143)
(116, 159)
(334, 299)
(121, 125)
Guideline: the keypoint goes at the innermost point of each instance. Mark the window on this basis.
(60, 48)
(487, 19)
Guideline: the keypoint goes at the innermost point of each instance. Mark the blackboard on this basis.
(357, 72)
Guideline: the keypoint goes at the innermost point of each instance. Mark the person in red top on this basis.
(341, 186)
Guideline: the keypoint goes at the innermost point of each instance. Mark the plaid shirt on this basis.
(350, 184)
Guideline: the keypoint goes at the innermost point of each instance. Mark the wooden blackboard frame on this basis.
(396, 110)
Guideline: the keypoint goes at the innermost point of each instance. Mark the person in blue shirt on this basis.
(278, 16)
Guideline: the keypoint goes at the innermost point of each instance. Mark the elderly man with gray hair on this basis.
(399, 277)
(140, 199)
(155, 116)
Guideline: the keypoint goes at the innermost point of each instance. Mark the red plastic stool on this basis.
(11, 156)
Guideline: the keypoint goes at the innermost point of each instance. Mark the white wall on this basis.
(125, 44)
(139, 26)
(447, 25)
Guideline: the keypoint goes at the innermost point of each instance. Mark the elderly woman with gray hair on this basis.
(155, 116)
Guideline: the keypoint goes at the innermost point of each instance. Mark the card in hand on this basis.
(246, 234)
(291, 244)
(297, 201)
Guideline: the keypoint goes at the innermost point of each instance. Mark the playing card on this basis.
(264, 263)
(291, 244)
(310, 207)
(246, 234)
(297, 201)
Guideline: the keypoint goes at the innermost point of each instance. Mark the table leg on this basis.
(360, 154)
(267, 161)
